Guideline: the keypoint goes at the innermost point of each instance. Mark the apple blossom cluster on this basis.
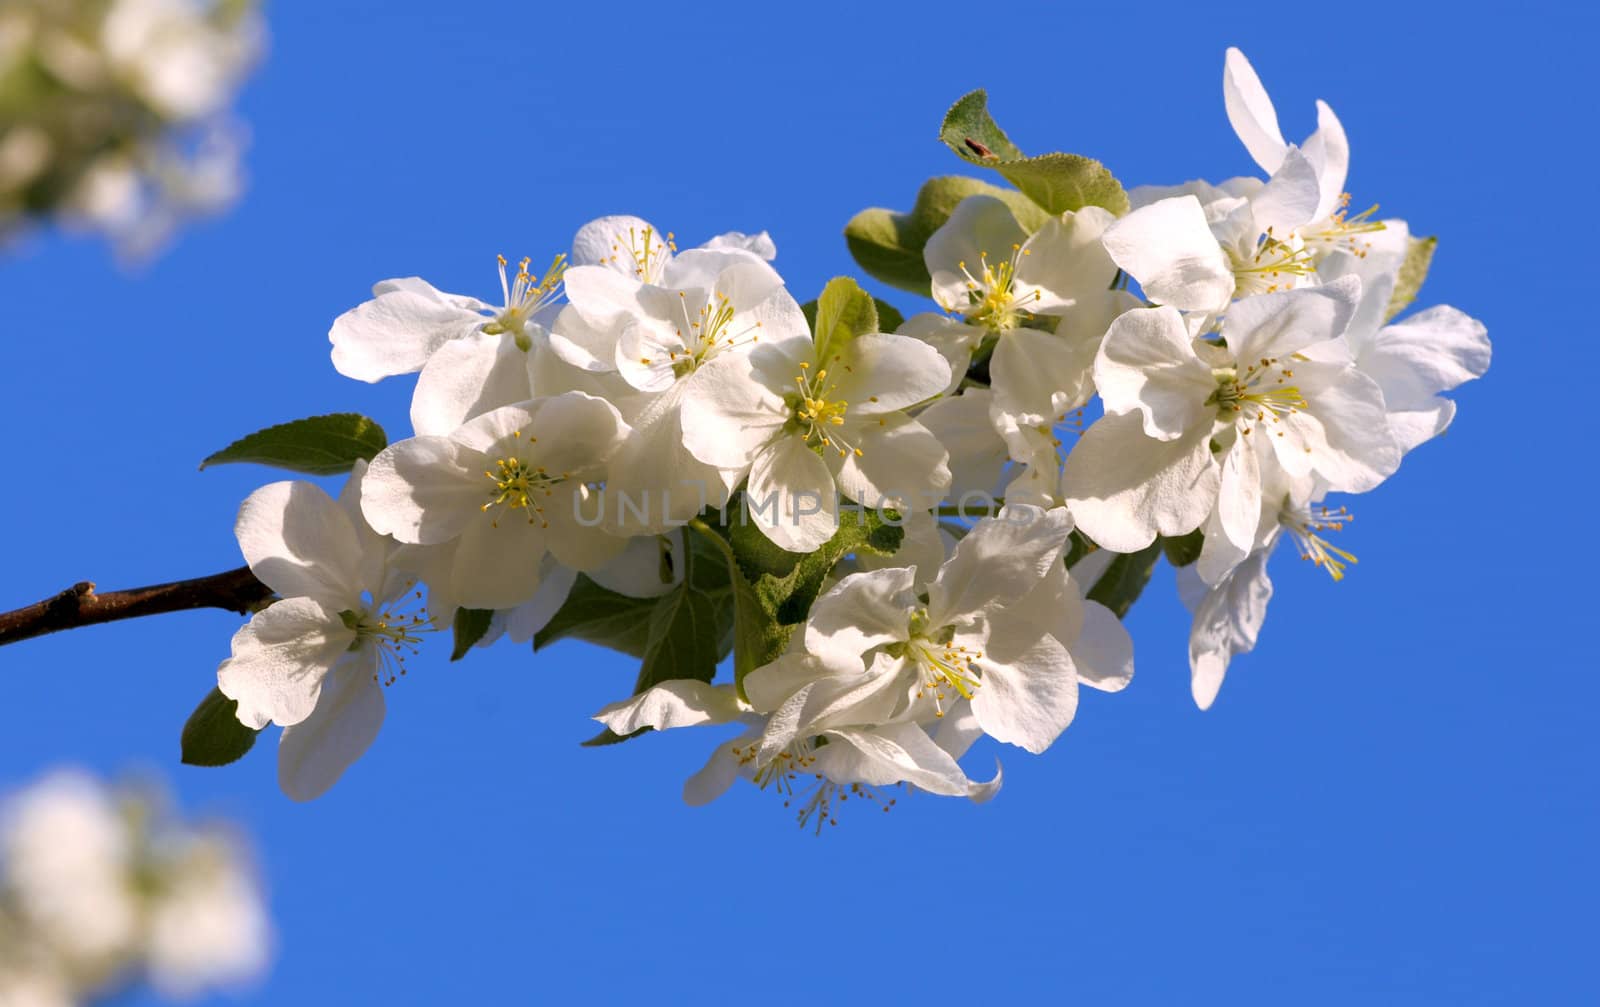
(112, 112)
(867, 540)
(102, 888)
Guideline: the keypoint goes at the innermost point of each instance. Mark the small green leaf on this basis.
(213, 735)
(1124, 580)
(683, 638)
(1419, 256)
(1057, 182)
(844, 311)
(889, 317)
(470, 626)
(1078, 546)
(787, 583)
(597, 615)
(1184, 549)
(888, 245)
(319, 446)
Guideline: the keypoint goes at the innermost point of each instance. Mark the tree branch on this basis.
(79, 605)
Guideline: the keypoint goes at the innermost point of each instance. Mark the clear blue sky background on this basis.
(1388, 801)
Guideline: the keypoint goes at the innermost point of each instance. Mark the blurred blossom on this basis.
(101, 888)
(113, 113)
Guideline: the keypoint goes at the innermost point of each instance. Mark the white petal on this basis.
(1039, 377)
(525, 621)
(1125, 488)
(999, 561)
(467, 378)
(395, 333)
(862, 611)
(1278, 325)
(1330, 151)
(572, 537)
(675, 703)
(878, 373)
(1239, 494)
(653, 482)
(1339, 433)
(1065, 262)
(1169, 248)
(585, 344)
(977, 453)
(1029, 691)
(299, 541)
(901, 465)
(981, 228)
(1289, 199)
(955, 341)
(888, 754)
(573, 432)
(279, 660)
(1147, 364)
(719, 772)
(498, 566)
(759, 244)
(602, 294)
(314, 753)
(1251, 113)
(731, 409)
(792, 495)
(1226, 623)
(1428, 353)
(421, 490)
(637, 571)
(611, 241)
(1103, 651)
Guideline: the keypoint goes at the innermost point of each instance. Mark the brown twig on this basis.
(80, 605)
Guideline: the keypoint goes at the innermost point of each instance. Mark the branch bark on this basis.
(80, 605)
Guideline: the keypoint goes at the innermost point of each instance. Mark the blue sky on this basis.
(1386, 803)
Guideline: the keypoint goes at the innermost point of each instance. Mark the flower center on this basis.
(947, 671)
(707, 334)
(1344, 231)
(1274, 265)
(646, 251)
(822, 800)
(395, 629)
(1305, 522)
(1255, 394)
(525, 295)
(815, 413)
(992, 300)
(520, 486)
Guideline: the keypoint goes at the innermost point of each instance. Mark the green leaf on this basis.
(1057, 182)
(1078, 546)
(319, 446)
(1124, 580)
(213, 735)
(683, 639)
(597, 615)
(757, 637)
(889, 317)
(1419, 256)
(1184, 549)
(888, 245)
(470, 626)
(688, 630)
(786, 583)
(844, 311)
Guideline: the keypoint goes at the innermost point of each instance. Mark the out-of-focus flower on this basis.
(101, 888)
(113, 113)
